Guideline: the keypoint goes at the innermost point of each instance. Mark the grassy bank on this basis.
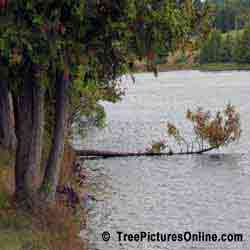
(206, 67)
(42, 228)
(201, 67)
(223, 67)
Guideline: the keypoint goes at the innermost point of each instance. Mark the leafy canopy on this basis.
(92, 42)
(89, 42)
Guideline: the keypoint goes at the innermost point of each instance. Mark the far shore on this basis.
(201, 67)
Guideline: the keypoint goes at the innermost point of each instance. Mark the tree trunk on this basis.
(7, 133)
(93, 154)
(52, 171)
(29, 117)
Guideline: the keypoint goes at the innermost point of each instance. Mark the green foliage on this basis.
(242, 50)
(4, 200)
(230, 14)
(227, 48)
(91, 43)
(6, 158)
(182, 58)
(15, 220)
(222, 67)
(211, 51)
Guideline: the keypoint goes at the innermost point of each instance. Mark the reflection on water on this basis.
(209, 193)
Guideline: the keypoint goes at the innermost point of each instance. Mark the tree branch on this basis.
(111, 154)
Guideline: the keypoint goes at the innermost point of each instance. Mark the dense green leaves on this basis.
(242, 50)
(91, 42)
(61, 58)
(210, 51)
(230, 14)
(227, 48)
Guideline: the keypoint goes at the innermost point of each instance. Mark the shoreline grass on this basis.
(211, 67)
(43, 227)
(224, 67)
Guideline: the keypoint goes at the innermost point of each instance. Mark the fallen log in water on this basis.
(111, 154)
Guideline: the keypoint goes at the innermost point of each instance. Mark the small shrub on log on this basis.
(210, 131)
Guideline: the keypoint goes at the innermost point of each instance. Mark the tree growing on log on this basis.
(54, 52)
(209, 133)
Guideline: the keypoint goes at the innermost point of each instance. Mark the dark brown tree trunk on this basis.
(52, 171)
(7, 132)
(29, 117)
(112, 154)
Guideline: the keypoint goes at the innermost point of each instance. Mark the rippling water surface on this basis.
(209, 193)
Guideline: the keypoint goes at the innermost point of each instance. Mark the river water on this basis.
(208, 193)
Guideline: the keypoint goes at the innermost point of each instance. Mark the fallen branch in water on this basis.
(211, 132)
(89, 154)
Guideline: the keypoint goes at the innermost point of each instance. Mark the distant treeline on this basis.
(230, 14)
(232, 47)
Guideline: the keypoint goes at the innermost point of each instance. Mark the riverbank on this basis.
(44, 227)
(223, 67)
(205, 67)
(202, 67)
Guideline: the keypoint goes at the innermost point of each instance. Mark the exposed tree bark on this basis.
(52, 171)
(29, 117)
(112, 154)
(7, 132)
